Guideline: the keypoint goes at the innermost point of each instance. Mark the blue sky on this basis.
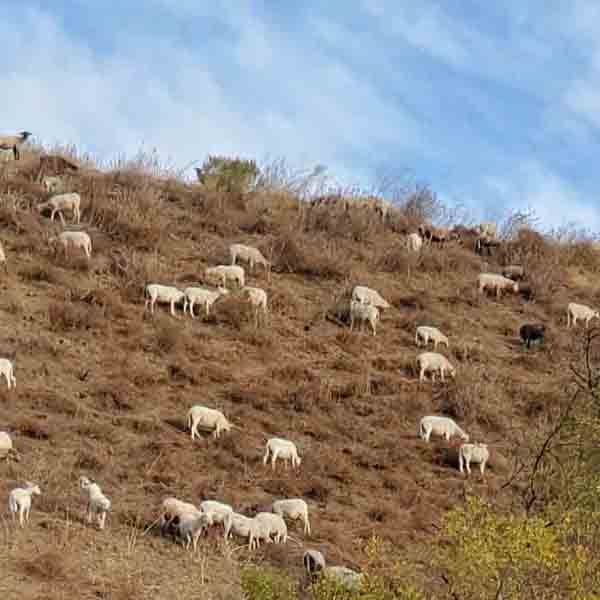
(495, 105)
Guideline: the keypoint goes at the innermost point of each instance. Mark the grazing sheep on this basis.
(274, 524)
(496, 283)
(314, 563)
(280, 448)
(13, 142)
(77, 239)
(7, 368)
(242, 526)
(414, 242)
(173, 507)
(258, 300)
(6, 444)
(433, 362)
(248, 254)
(191, 526)
(225, 272)
(208, 418)
(202, 296)
(488, 229)
(476, 453)
(97, 502)
(217, 511)
(61, 202)
(514, 272)
(366, 295)
(444, 426)
(364, 313)
(532, 332)
(426, 333)
(53, 184)
(440, 235)
(163, 294)
(19, 500)
(580, 311)
(293, 508)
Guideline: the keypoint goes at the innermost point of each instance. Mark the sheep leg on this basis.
(21, 511)
(62, 219)
(273, 459)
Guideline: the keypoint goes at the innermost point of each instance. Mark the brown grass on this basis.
(104, 388)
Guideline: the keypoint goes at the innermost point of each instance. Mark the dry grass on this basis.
(104, 388)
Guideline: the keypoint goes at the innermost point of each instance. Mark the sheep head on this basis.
(25, 134)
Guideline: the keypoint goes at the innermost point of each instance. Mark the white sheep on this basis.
(250, 255)
(208, 418)
(432, 362)
(172, 508)
(275, 526)
(365, 313)
(61, 202)
(225, 272)
(191, 526)
(19, 500)
(258, 300)
(443, 426)
(216, 511)
(366, 295)
(202, 296)
(496, 283)
(7, 368)
(414, 242)
(281, 448)
(476, 453)
(314, 563)
(3, 258)
(6, 444)
(97, 502)
(427, 333)
(242, 526)
(580, 311)
(293, 508)
(163, 294)
(13, 142)
(488, 229)
(77, 239)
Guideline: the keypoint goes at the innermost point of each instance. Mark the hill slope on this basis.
(103, 388)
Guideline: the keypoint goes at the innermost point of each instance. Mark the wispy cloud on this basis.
(493, 107)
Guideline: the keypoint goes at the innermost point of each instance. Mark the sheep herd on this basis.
(185, 520)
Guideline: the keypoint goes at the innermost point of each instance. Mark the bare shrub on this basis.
(64, 316)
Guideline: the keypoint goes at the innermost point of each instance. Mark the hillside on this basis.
(103, 388)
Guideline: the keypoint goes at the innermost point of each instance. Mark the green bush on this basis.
(228, 174)
(264, 583)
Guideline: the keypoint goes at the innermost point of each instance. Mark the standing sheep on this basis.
(19, 500)
(444, 426)
(77, 239)
(364, 313)
(61, 202)
(496, 283)
(97, 502)
(216, 511)
(293, 508)
(580, 311)
(226, 272)
(258, 300)
(7, 368)
(191, 526)
(476, 453)
(532, 332)
(281, 448)
(13, 142)
(208, 418)
(202, 296)
(274, 525)
(163, 294)
(171, 508)
(314, 563)
(242, 526)
(250, 255)
(426, 333)
(432, 362)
